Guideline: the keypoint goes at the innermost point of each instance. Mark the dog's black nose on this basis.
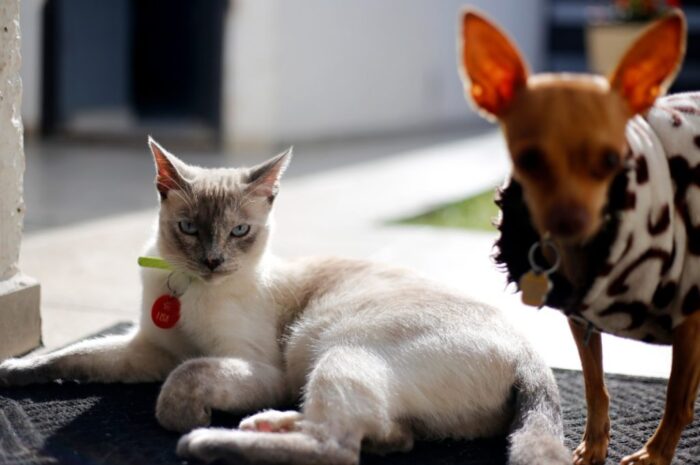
(567, 220)
(213, 263)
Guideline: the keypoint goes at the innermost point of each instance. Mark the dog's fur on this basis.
(601, 180)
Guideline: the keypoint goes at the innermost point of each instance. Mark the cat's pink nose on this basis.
(213, 263)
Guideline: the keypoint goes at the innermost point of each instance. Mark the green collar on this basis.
(178, 281)
(154, 262)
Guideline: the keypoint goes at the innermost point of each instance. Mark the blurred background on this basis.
(233, 81)
(390, 161)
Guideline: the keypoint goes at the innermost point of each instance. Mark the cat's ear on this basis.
(264, 179)
(168, 169)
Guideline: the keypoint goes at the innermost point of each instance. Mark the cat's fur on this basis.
(376, 355)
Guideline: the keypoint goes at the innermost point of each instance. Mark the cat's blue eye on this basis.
(240, 230)
(187, 227)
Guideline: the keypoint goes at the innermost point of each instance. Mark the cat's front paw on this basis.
(181, 411)
(182, 402)
(21, 372)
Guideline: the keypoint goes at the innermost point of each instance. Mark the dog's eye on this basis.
(530, 160)
(611, 159)
(608, 164)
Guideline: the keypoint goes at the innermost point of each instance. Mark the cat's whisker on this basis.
(185, 197)
(172, 181)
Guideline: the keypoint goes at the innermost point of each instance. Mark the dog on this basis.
(601, 216)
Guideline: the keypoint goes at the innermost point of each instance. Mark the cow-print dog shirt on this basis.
(643, 268)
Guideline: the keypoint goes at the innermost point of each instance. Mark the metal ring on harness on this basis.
(542, 244)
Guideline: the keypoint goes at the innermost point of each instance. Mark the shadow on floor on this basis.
(115, 424)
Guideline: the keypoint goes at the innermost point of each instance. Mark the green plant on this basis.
(477, 212)
(643, 10)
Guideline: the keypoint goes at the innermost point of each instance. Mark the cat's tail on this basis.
(536, 436)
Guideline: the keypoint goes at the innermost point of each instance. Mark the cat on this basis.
(374, 355)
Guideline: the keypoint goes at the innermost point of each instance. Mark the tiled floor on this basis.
(335, 201)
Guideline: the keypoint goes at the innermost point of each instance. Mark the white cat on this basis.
(375, 356)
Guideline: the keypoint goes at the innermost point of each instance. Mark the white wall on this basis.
(250, 81)
(314, 69)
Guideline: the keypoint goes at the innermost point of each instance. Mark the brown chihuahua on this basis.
(581, 147)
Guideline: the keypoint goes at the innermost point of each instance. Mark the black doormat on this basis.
(93, 424)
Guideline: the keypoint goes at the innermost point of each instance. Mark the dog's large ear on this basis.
(491, 67)
(648, 67)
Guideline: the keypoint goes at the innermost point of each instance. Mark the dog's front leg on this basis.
(594, 446)
(680, 397)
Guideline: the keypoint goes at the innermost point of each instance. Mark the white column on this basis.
(20, 324)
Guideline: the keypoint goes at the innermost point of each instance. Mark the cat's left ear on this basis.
(264, 179)
(168, 169)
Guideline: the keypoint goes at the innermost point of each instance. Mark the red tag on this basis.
(165, 312)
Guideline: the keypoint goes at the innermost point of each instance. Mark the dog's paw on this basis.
(645, 456)
(182, 402)
(591, 452)
(272, 421)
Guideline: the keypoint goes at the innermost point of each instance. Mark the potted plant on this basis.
(612, 27)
